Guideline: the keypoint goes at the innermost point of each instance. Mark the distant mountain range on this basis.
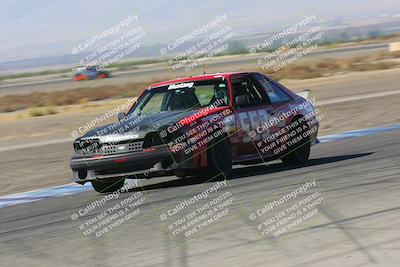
(41, 33)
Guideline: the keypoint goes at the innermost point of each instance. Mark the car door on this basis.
(253, 112)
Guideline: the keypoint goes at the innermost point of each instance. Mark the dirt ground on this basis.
(359, 114)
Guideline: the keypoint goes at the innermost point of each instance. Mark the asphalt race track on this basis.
(358, 223)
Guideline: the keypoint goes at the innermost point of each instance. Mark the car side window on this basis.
(246, 94)
(275, 94)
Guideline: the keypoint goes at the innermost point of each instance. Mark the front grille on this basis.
(108, 149)
(87, 146)
(93, 146)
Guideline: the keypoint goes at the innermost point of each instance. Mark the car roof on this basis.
(202, 77)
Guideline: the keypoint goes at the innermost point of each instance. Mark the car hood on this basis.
(136, 127)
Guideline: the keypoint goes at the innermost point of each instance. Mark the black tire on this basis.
(108, 185)
(219, 158)
(181, 174)
(299, 153)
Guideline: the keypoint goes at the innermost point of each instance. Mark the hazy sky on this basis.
(31, 28)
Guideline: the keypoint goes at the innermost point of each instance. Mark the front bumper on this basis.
(88, 168)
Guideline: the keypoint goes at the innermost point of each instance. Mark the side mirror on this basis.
(121, 115)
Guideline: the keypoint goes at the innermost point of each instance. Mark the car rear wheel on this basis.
(108, 185)
(299, 152)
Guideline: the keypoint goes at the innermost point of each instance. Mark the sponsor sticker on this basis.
(180, 86)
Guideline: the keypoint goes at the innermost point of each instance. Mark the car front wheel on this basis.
(108, 185)
(220, 158)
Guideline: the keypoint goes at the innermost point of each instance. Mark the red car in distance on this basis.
(84, 73)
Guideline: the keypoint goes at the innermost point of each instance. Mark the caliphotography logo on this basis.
(199, 133)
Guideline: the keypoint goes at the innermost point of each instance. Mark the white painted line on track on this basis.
(45, 193)
(36, 144)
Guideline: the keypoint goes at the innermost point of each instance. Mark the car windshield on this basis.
(183, 96)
